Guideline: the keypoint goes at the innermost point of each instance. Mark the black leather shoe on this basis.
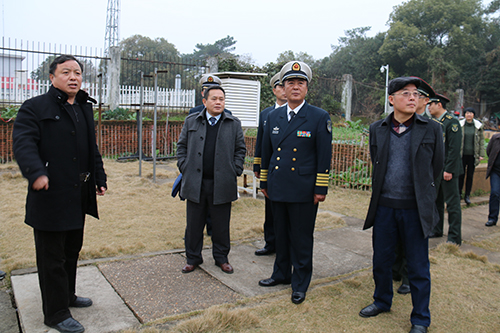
(490, 223)
(370, 311)
(404, 289)
(298, 297)
(418, 329)
(81, 302)
(2, 275)
(467, 200)
(69, 325)
(271, 282)
(434, 235)
(264, 252)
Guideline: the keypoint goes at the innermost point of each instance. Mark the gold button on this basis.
(279, 149)
(294, 159)
(276, 167)
(277, 158)
(294, 149)
(293, 169)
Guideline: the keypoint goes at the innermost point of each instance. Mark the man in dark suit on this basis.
(407, 153)
(55, 147)
(210, 151)
(296, 157)
(269, 237)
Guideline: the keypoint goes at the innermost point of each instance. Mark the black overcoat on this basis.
(427, 159)
(45, 143)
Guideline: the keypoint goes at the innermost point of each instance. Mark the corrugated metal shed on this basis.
(242, 96)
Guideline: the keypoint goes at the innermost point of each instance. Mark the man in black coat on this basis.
(407, 153)
(269, 237)
(55, 147)
(296, 157)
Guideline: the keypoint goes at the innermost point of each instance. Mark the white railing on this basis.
(14, 92)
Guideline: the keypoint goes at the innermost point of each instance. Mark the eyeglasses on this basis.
(407, 94)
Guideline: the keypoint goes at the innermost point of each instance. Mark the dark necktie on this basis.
(212, 121)
(292, 114)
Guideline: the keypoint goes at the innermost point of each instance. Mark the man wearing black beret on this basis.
(406, 150)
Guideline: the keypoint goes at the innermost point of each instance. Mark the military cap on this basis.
(469, 109)
(295, 70)
(425, 89)
(438, 98)
(275, 80)
(210, 80)
(401, 82)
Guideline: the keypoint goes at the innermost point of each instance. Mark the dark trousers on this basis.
(56, 259)
(294, 227)
(447, 192)
(269, 235)
(399, 269)
(390, 225)
(196, 214)
(469, 164)
(494, 196)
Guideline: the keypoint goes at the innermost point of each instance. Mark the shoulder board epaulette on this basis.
(449, 116)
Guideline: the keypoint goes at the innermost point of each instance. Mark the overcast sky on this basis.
(262, 28)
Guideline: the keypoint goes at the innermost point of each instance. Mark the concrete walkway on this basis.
(128, 291)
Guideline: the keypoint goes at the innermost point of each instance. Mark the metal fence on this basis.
(350, 165)
(24, 73)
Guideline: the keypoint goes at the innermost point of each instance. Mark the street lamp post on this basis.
(386, 69)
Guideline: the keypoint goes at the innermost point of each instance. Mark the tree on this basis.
(436, 38)
(221, 49)
(356, 54)
(143, 54)
(289, 55)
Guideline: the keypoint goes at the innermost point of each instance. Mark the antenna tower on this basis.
(112, 36)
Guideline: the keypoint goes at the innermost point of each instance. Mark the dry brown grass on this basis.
(137, 215)
(491, 243)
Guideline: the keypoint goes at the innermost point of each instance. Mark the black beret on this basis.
(401, 82)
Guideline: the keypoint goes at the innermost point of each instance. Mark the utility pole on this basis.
(111, 49)
(386, 69)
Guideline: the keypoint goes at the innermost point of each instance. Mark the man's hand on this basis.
(319, 198)
(264, 191)
(41, 183)
(257, 174)
(447, 176)
(100, 190)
